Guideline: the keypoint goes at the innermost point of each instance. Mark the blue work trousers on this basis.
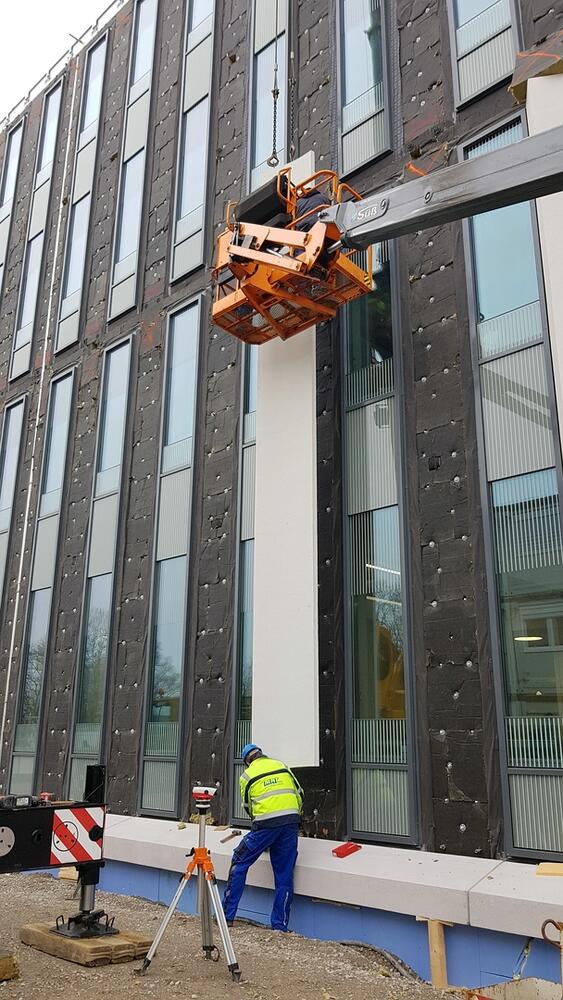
(281, 841)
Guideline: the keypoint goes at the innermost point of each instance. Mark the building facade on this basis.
(129, 423)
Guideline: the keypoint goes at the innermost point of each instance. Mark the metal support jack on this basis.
(88, 922)
(208, 896)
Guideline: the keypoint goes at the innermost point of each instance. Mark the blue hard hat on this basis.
(248, 749)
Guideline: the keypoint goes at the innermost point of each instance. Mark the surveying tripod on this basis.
(202, 864)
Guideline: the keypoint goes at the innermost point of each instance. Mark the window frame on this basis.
(517, 38)
(484, 486)
(387, 89)
(105, 37)
(289, 31)
(401, 458)
(51, 637)
(106, 722)
(188, 659)
(9, 214)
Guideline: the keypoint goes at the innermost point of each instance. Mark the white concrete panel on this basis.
(416, 883)
(285, 665)
(515, 900)
(544, 106)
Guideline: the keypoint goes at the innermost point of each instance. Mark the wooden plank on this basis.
(437, 951)
(110, 950)
(8, 967)
(549, 868)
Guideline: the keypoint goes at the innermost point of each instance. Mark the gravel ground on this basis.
(274, 966)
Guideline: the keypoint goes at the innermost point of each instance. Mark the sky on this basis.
(35, 33)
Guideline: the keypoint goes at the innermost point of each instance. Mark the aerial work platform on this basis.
(277, 279)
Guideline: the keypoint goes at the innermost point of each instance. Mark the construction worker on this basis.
(306, 202)
(273, 798)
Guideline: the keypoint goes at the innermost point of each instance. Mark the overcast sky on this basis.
(34, 34)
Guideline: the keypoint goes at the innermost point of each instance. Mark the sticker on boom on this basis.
(77, 835)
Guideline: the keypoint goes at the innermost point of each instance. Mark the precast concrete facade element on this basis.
(438, 719)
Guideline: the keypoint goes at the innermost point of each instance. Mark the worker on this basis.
(313, 198)
(273, 798)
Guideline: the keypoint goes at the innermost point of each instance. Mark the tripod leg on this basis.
(205, 916)
(232, 963)
(166, 920)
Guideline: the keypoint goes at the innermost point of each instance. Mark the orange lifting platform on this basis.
(275, 282)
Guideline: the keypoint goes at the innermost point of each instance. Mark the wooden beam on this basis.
(437, 951)
(8, 967)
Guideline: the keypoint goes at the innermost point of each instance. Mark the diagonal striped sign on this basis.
(77, 835)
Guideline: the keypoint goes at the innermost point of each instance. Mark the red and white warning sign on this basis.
(77, 835)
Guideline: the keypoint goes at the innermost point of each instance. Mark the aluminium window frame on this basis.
(386, 31)
(20, 124)
(497, 659)
(22, 397)
(518, 42)
(198, 299)
(105, 35)
(105, 729)
(206, 235)
(52, 631)
(127, 104)
(290, 34)
(60, 82)
(401, 458)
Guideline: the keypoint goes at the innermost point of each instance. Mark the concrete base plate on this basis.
(8, 967)
(122, 947)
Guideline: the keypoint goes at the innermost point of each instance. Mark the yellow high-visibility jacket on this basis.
(270, 793)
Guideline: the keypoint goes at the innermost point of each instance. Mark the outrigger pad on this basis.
(122, 947)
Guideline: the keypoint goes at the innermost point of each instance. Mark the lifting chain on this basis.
(273, 160)
(292, 88)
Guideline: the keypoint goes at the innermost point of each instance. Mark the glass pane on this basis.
(370, 337)
(144, 39)
(95, 652)
(262, 110)
(35, 657)
(30, 285)
(199, 10)
(465, 10)
(168, 642)
(377, 615)
(131, 206)
(250, 378)
(181, 376)
(246, 617)
(10, 453)
(93, 85)
(530, 589)
(363, 58)
(57, 438)
(76, 252)
(114, 408)
(11, 165)
(49, 133)
(192, 165)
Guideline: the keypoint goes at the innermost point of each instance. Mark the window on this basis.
(114, 412)
(93, 85)
(378, 754)
(363, 93)
(199, 11)
(11, 163)
(194, 159)
(28, 300)
(9, 457)
(246, 624)
(94, 665)
(181, 379)
(76, 253)
(33, 671)
(56, 446)
(9, 464)
(49, 129)
(170, 580)
(262, 111)
(520, 456)
(144, 39)
(131, 204)
(484, 44)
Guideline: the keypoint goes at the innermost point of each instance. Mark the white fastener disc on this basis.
(7, 840)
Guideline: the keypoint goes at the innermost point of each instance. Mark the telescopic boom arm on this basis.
(530, 168)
